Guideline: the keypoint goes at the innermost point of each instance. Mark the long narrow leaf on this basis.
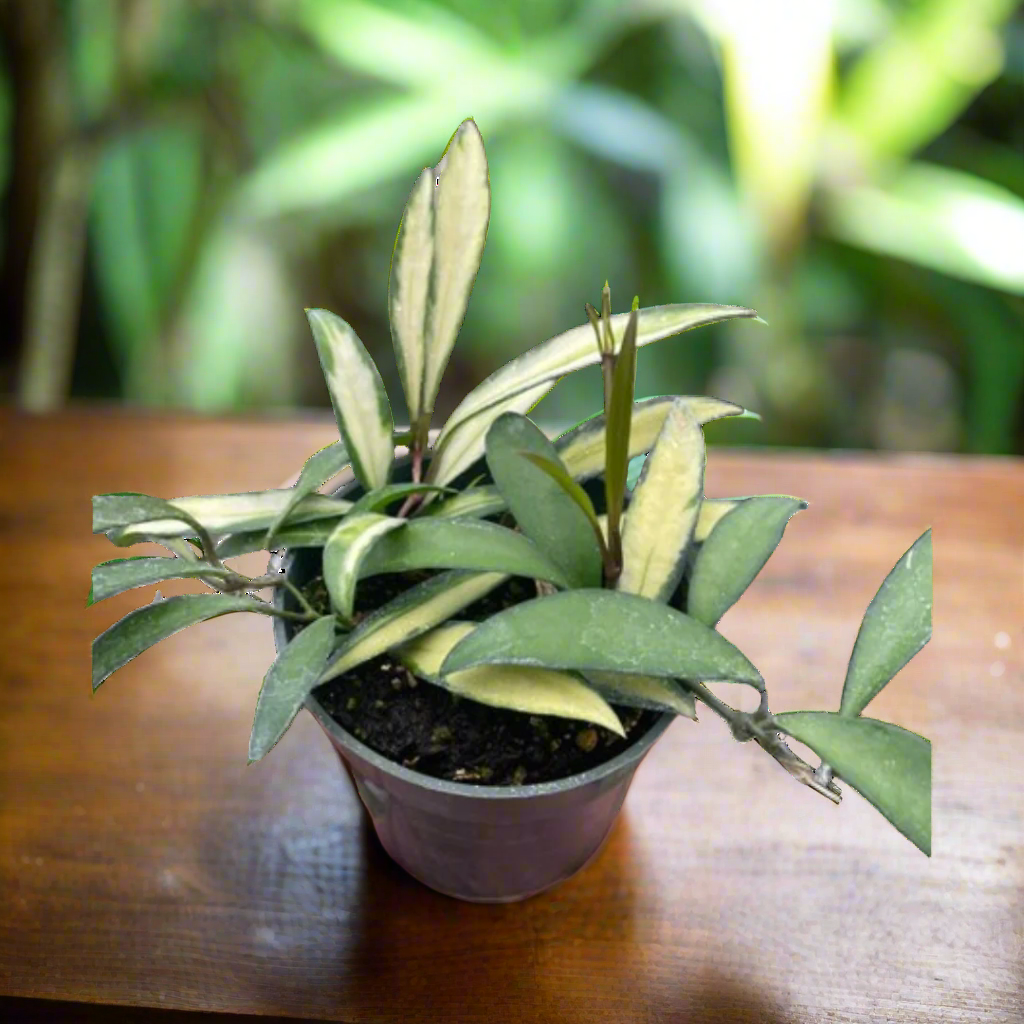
(462, 207)
(664, 510)
(410, 614)
(542, 510)
(292, 676)
(476, 503)
(557, 472)
(318, 469)
(735, 551)
(302, 535)
(543, 365)
(533, 691)
(889, 766)
(459, 544)
(357, 392)
(408, 287)
(145, 626)
(115, 511)
(896, 625)
(380, 499)
(603, 631)
(344, 552)
(121, 574)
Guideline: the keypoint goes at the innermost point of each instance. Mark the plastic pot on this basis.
(485, 844)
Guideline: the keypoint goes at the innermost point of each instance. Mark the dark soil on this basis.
(430, 730)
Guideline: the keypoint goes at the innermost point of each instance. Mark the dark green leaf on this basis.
(603, 631)
(145, 626)
(557, 472)
(318, 469)
(735, 552)
(383, 497)
(620, 413)
(459, 544)
(285, 687)
(120, 574)
(897, 624)
(543, 511)
(889, 766)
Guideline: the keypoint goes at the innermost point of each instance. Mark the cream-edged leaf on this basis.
(412, 613)
(533, 691)
(286, 685)
(121, 574)
(390, 494)
(357, 392)
(664, 509)
(582, 448)
(344, 552)
(408, 289)
(542, 366)
(648, 692)
(476, 503)
(735, 551)
(433, 543)
(318, 469)
(462, 207)
(314, 534)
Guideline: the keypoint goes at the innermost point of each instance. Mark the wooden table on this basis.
(142, 864)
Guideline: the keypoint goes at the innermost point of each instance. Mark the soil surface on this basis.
(426, 728)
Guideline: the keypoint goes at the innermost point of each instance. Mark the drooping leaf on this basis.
(476, 503)
(411, 613)
(357, 392)
(542, 510)
(619, 417)
(533, 691)
(889, 766)
(302, 535)
(648, 692)
(603, 631)
(121, 574)
(459, 544)
(382, 498)
(286, 685)
(145, 626)
(539, 369)
(557, 472)
(408, 287)
(225, 513)
(735, 551)
(897, 624)
(344, 552)
(462, 207)
(582, 448)
(664, 510)
(113, 511)
(318, 469)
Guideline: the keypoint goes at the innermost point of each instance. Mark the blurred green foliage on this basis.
(180, 179)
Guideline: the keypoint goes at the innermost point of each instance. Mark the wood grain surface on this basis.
(142, 864)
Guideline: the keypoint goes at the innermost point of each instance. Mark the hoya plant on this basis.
(629, 574)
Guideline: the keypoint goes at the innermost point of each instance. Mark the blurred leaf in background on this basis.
(179, 181)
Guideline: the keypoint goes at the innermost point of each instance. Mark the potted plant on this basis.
(494, 627)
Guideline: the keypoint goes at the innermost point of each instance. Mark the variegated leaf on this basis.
(664, 509)
(357, 392)
(648, 692)
(412, 613)
(121, 574)
(344, 552)
(532, 691)
(476, 503)
(320, 467)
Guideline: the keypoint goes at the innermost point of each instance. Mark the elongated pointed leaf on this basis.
(735, 551)
(408, 287)
(897, 624)
(582, 448)
(459, 544)
(664, 510)
(462, 207)
(644, 692)
(318, 469)
(145, 626)
(285, 687)
(603, 631)
(620, 414)
(121, 574)
(410, 614)
(380, 499)
(114, 511)
(711, 512)
(557, 472)
(360, 402)
(476, 503)
(229, 513)
(344, 552)
(542, 510)
(889, 766)
(542, 366)
(533, 691)
(302, 535)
